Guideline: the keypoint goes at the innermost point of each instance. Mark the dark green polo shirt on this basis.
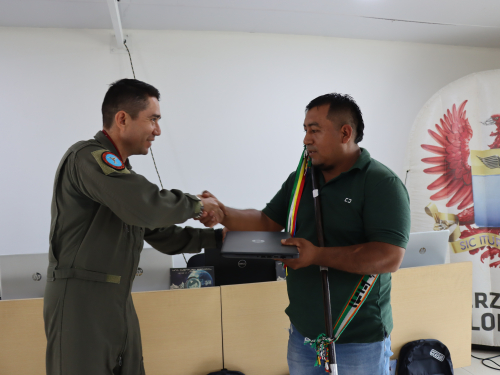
(367, 203)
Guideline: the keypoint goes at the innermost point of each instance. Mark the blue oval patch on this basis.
(112, 160)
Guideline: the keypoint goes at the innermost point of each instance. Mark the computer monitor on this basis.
(23, 275)
(153, 272)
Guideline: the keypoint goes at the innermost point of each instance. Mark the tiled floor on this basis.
(476, 368)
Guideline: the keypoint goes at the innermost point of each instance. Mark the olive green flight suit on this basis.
(100, 217)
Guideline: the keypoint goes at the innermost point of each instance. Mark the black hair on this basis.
(129, 95)
(342, 108)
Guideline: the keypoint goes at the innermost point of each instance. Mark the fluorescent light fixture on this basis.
(117, 23)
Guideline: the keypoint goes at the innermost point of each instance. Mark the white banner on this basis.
(453, 159)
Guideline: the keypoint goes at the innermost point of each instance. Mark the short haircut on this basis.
(129, 95)
(342, 109)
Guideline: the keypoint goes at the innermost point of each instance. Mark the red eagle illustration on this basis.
(452, 163)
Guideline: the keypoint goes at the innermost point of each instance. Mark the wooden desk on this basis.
(434, 302)
(182, 331)
(255, 327)
(22, 337)
(427, 302)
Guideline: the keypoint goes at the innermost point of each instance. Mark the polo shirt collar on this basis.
(363, 160)
(102, 139)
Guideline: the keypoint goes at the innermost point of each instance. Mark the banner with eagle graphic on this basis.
(453, 163)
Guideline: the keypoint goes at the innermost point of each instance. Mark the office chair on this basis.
(197, 260)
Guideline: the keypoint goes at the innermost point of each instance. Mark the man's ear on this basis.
(120, 119)
(346, 132)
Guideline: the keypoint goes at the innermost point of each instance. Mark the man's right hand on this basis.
(211, 220)
(213, 213)
(240, 220)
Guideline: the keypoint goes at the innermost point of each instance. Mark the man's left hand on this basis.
(308, 253)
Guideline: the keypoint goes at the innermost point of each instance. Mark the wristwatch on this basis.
(202, 208)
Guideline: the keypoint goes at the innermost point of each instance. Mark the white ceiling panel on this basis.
(57, 14)
(481, 12)
(454, 22)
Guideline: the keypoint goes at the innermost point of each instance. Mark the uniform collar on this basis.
(102, 139)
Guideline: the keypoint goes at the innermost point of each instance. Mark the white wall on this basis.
(232, 107)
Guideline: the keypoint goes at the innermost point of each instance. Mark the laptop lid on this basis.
(426, 249)
(153, 272)
(23, 275)
(231, 271)
(247, 245)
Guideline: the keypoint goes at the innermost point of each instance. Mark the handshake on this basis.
(214, 211)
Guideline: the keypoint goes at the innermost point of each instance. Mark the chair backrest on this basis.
(197, 260)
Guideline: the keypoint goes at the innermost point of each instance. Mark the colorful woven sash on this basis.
(358, 296)
(366, 282)
(298, 188)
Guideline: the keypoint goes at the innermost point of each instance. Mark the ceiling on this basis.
(453, 22)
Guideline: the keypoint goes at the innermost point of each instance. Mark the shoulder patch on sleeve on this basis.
(109, 162)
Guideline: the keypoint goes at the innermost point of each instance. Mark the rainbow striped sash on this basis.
(298, 188)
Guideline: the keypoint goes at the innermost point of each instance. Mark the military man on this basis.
(101, 213)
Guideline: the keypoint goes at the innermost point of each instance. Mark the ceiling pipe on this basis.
(117, 23)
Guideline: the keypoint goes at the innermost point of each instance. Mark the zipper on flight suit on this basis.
(117, 370)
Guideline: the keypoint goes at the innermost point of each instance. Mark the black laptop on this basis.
(257, 245)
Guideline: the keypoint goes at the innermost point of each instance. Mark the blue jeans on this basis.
(352, 359)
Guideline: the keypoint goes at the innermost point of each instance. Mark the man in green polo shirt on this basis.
(366, 220)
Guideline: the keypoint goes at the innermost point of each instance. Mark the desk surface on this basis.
(22, 337)
(255, 327)
(427, 302)
(182, 330)
(434, 302)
